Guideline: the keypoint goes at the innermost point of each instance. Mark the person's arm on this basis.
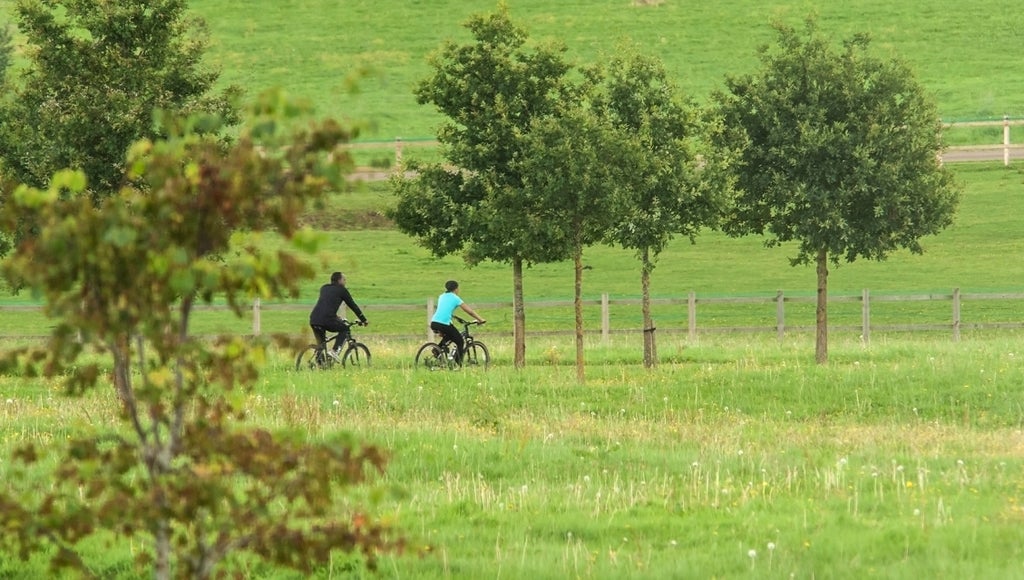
(470, 312)
(346, 297)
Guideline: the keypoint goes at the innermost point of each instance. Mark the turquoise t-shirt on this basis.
(446, 305)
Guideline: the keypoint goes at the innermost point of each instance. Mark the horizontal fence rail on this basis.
(1004, 151)
(688, 313)
(953, 325)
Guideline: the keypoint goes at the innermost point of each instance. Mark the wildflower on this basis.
(771, 546)
(752, 554)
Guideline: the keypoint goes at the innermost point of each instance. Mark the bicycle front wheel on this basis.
(476, 355)
(310, 359)
(430, 357)
(357, 355)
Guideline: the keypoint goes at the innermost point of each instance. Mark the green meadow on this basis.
(968, 58)
(737, 457)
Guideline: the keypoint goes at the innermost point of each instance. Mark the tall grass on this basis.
(735, 457)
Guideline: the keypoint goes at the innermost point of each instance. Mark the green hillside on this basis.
(966, 55)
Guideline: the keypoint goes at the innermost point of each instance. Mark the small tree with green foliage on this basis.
(96, 72)
(679, 185)
(121, 280)
(838, 151)
(492, 90)
(576, 167)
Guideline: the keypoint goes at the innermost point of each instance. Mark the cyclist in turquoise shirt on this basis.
(441, 322)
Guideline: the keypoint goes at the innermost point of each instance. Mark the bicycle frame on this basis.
(341, 347)
(441, 354)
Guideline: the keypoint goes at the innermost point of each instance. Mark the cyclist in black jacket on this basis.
(325, 312)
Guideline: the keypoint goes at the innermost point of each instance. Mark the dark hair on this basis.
(335, 277)
(451, 285)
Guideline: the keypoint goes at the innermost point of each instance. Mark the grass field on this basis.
(978, 254)
(966, 58)
(315, 48)
(737, 456)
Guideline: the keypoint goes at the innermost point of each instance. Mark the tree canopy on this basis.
(96, 73)
(837, 151)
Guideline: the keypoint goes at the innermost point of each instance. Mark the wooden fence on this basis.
(691, 315)
(985, 152)
(693, 308)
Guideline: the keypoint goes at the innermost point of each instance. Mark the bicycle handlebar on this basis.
(467, 322)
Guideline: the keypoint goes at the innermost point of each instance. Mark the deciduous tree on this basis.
(679, 184)
(492, 90)
(121, 279)
(96, 72)
(838, 152)
(576, 167)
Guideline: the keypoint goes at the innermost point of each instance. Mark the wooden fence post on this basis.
(1006, 140)
(691, 314)
(956, 315)
(865, 316)
(256, 316)
(780, 315)
(430, 314)
(605, 319)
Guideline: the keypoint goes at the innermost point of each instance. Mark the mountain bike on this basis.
(441, 355)
(346, 350)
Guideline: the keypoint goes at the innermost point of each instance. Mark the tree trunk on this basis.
(578, 304)
(650, 345)
(821, 312)
(518, 314)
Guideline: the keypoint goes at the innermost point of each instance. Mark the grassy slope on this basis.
(976, 254)
(966, 58)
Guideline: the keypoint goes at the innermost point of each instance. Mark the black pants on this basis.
(335, 325)
(451, 334)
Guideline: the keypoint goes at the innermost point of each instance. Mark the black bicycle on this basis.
(346, 350)
(441, 355)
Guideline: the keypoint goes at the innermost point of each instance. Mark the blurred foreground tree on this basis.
(120, 279)
(838, 151)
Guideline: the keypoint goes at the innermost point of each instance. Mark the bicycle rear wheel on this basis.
(357, 355)
(476, 355)
(431, 357)
(311, 358)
